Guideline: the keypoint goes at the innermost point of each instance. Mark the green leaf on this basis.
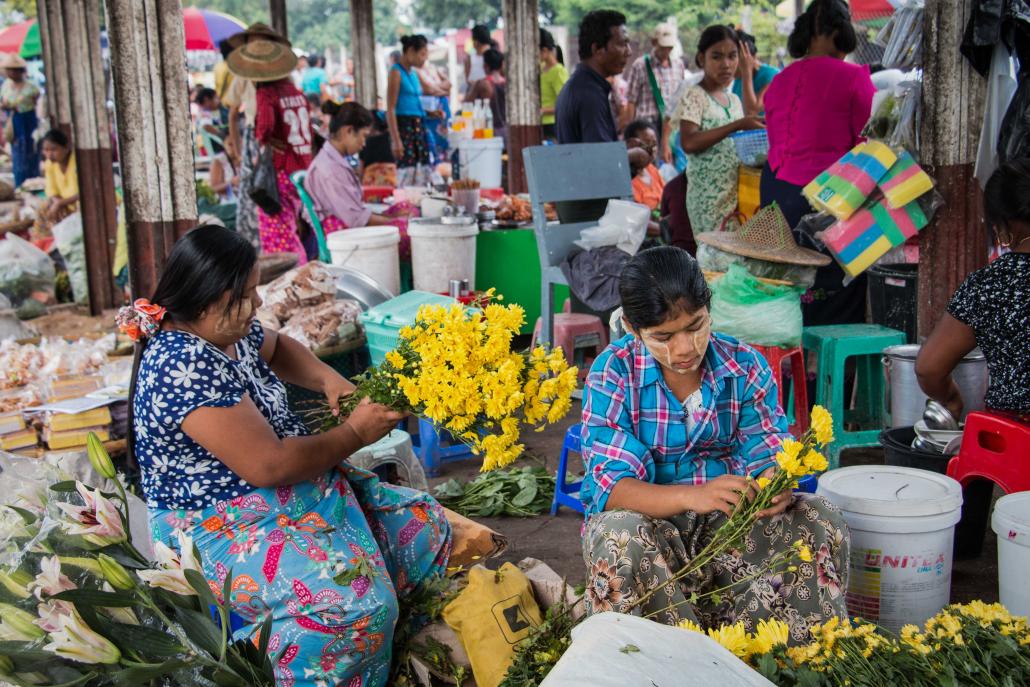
(526, 496)
(630, 649)
(266, 635)
(141, 675)
(146, 640)
(28, 516)
(201, 587)
(65, 487)
(92, 597)
(22, 651)
(201, 630)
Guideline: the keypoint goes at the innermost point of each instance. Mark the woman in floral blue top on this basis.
(675, 418)
(319, 545)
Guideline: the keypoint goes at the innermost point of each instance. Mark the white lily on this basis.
(76, 641)
(171, 566)
(50, 581)
(120, 613)
(50, 614)
(98, 521)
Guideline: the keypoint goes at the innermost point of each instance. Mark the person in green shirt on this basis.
(553, 76)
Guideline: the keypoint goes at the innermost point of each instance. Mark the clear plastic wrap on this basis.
(25, 271)
(624, 225)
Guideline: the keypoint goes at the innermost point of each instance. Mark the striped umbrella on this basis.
(204, 29)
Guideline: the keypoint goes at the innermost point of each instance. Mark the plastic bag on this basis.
(493, 614)
(756, 312)
(712, 259)
(25, 271)
(623, 225)
(70, 243)
(264, 190)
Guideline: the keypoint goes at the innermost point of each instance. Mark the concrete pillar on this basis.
(91, 136)
(956, 242)
(522, 68)
(155, 142)
(363, 52)
(53, 34)
(277, 13)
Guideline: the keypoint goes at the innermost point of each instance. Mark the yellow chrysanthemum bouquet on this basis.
(456, 367)
(967, 644)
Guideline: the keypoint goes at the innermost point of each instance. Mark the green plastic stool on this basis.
(834, 344)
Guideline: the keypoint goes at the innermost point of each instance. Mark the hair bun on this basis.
(331, 107)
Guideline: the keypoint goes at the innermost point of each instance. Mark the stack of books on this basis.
(63, 431)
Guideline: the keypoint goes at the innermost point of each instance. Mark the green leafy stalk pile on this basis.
(519, 492)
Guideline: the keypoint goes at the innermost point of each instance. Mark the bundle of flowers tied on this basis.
(456, 367)
(80, 605)
(964, 644)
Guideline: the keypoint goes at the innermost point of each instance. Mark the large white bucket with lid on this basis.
(373, 251)
(906, 401)
(1011, 522)
(441, 250)
(480, 159)
(902, 523)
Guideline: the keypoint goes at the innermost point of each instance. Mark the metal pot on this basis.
(905, 401)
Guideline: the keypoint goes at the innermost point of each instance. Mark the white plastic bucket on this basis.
(1011, 522)
(902, 523)
(442, 252)
(373, 251)
(480, 159)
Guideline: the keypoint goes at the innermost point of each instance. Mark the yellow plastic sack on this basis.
(493, 614)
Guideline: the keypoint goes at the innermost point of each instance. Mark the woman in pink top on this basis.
(333, 184)
(815, 110)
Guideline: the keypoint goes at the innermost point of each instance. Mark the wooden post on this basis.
(956, 242)
(277, 13)
(363, 52)
(91, 133)
(53, 34)
(154, 140)
(522, 38)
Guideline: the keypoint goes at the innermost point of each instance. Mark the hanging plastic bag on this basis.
(69, 241)
(754, 311)
(265, 189)
(624, 225)
(25, 271)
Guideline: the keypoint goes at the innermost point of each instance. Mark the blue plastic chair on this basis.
(435, 448)
(567, 493)
(298, 179)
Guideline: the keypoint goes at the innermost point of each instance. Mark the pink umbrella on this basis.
(204, 29)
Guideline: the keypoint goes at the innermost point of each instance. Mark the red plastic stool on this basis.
(996, 448)
(572, 329)
(776, 356)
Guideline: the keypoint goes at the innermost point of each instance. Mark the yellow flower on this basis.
(395, 359)
(805, 553)
(815, 461)
(763, 482)
(733, 638)
(822, 425)
(790, 464)
(768, 635)
(690, 625)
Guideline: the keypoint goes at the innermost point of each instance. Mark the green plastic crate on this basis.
(383, 323)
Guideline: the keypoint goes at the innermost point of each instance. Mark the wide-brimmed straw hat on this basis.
(259, 31)
(766, 236)
(12, 61)
(261, 60)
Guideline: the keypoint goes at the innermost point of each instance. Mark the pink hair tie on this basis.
(141, 320)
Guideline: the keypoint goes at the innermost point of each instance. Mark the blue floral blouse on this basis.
(180, 372)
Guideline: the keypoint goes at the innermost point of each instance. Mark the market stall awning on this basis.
(203, 29)
(22, 38)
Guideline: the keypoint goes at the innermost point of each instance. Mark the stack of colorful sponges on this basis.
(844, 187)
(861, 240)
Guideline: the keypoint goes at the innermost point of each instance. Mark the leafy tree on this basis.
(26, 8)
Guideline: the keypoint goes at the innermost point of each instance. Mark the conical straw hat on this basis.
(261, 60)
(766, 236)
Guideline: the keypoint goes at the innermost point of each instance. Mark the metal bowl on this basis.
(936, 416)
(358, 286)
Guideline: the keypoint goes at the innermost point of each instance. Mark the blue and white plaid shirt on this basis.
(634, 426)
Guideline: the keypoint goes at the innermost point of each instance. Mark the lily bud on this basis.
(19, 624)
(99, 458)
(6, 666)
(16, 582)
(115, 573)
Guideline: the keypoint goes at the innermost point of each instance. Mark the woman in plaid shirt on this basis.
(675, 417)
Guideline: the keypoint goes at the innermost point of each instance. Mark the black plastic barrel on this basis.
(976, 496)
(894, 297)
